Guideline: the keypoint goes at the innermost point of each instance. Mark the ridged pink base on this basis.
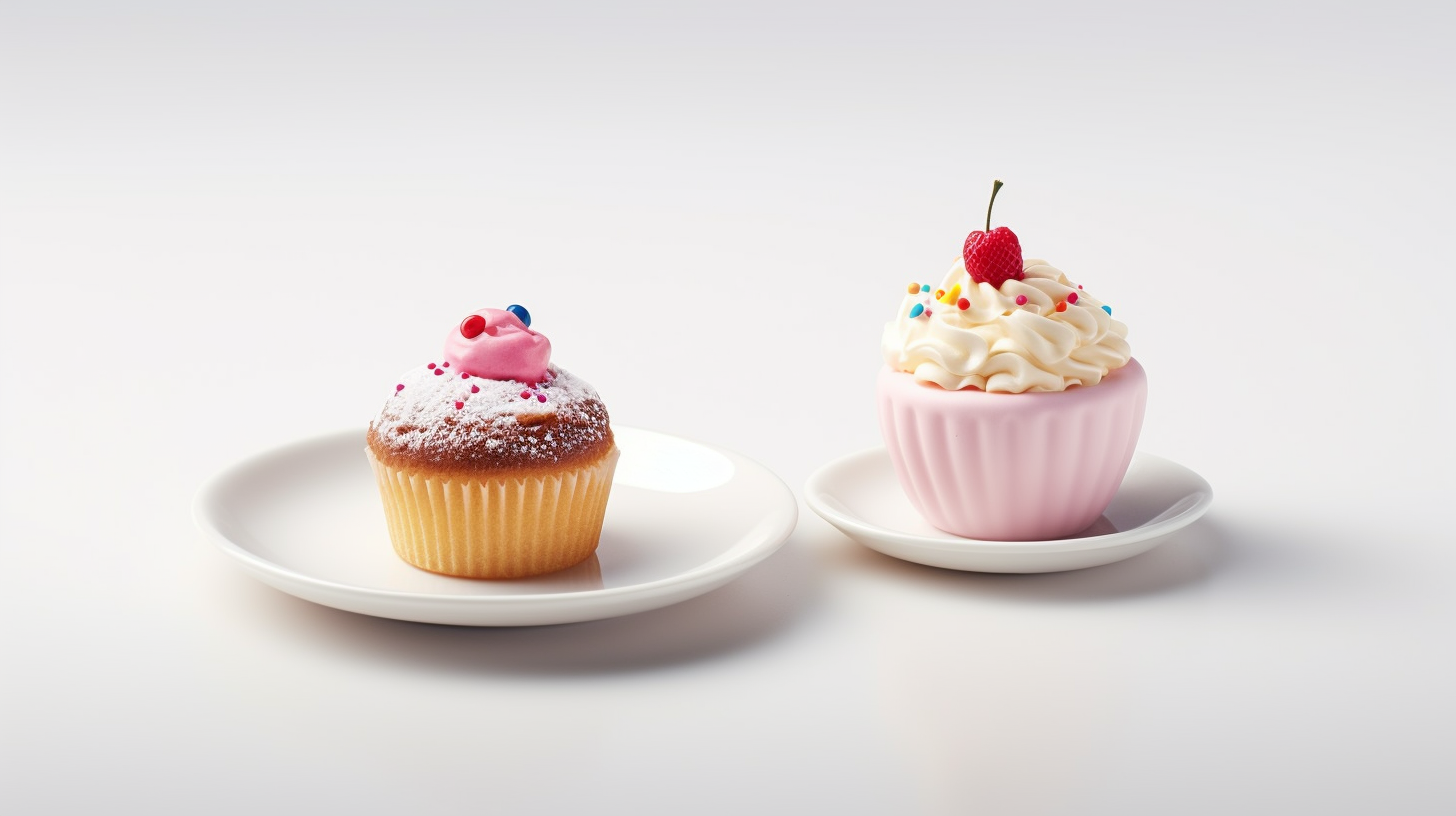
(1012, 467)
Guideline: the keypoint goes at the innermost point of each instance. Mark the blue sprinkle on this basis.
(1107, 309)
(525, 316)
(917, 309)
(924, 288)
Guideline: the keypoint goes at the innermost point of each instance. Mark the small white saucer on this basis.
(860, 495)
(683, 518)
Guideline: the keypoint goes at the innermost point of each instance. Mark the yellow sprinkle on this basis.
(952, 295)
(914, 288)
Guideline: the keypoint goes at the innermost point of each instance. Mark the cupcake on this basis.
(492, 462)
(1009, 401)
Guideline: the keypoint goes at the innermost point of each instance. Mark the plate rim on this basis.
(814, 493)
(708, 575)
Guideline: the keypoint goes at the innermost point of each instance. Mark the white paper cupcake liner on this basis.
(495, 528)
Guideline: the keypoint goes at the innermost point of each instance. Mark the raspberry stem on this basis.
(995, 188)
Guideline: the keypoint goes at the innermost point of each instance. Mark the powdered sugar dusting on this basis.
(498, 423)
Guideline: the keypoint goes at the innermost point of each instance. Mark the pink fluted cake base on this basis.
(1012, 467)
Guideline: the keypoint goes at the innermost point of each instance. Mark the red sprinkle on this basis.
(1079, 286)
(399, 388)
(541, 397)
(963, 304)
(431, 365)
(447, 365)
(525, 395)
(1021, 300)
(464, 376)
(1062, 306)
(472, 326)
(459, 405)
(439, 371)
(475, 389)
(1072, 298)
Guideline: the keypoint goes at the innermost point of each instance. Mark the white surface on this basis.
(683, 519)
(223, 226)
(859, 495)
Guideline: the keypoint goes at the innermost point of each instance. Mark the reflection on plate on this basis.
(684, 518)
(859, 495)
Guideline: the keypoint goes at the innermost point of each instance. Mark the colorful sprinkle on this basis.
(939, 293)
(525, 395)
(439, 371)
(459, 405)
(446, 365)
(1061, 305)
(464, 376)
(541, 397)
(914, 289)
(520, 311)
(1021, 300)
(1072, 298)
(917, 309)
(950, 297)
(925, 288)
(399, 388)
(1079, 286)
(1107, 309)
(963, 304)
(472, 326)
(475, 389)
(431, 365)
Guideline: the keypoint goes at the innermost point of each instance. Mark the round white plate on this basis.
(860, 495)
(683, 518)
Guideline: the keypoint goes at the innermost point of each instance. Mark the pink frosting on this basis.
(505, 349)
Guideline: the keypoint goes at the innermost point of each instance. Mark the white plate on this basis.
(683, 519)
(859, 495)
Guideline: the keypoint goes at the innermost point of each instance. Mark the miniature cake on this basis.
(1009, 401)
(493, 463)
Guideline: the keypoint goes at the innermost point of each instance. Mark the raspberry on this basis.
(993, 257)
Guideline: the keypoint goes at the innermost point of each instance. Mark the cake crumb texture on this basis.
(453, 423)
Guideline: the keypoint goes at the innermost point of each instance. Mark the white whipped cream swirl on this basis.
(997, 345)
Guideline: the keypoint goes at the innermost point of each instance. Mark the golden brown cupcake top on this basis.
(445, 421)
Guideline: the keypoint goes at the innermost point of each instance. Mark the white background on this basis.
(228, 226)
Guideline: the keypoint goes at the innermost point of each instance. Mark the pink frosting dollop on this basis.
(504, 349)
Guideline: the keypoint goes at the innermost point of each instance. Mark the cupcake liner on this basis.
(1012, 467)
(495, 528)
